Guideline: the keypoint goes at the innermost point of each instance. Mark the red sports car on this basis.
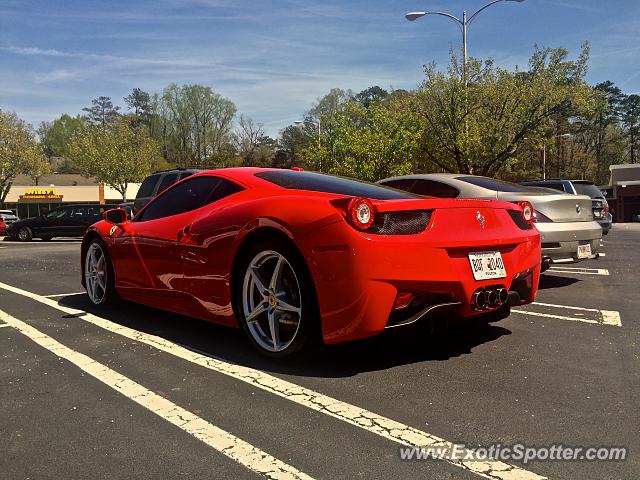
(290, 256)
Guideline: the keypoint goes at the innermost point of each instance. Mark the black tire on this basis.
(25, 234)
(308, 335)
(110, 297)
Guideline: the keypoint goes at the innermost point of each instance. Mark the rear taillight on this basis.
(527, 211)
(540, 218)
(361, 213)
(605, 211)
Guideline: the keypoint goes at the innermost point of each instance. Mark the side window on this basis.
(146, 189)
(57, 213)
(434, 189)
(404, 184)
(184, 197)
(184, 175)
(224, 189)
(168, 180)
(79, 211)
(96, 211)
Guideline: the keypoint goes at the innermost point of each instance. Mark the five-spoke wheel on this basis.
(98, 277)
(271, 295)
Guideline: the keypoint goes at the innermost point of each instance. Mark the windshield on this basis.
(318, 182)
(495, 185)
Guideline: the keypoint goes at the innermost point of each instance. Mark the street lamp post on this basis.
(412, 16)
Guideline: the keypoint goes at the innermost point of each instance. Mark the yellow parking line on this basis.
(229, 445)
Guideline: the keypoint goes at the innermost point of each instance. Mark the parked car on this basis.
(600, 206)
(292, 256)
(567, 229)
(64, 221)
(158, 182)
(7, 217)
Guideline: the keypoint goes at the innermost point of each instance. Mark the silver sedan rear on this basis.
(568, 231)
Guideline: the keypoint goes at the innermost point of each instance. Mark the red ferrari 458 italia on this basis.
(290, 256)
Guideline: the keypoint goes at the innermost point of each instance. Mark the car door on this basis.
(51, 224)
(145, 250)
(78, 221)
(203, 252)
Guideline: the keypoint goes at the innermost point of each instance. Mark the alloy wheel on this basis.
(95, 273)
(271, 301)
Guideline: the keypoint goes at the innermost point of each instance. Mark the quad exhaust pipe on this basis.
(483, 299)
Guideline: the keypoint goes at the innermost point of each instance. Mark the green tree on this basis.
(55, 135)
(366, 143)
(120, 155)
(371, 95)
(193, 125)
(102, 112)
(19, 152)
(631, 122)
(291, 145)
(478, 129)
(139, 102)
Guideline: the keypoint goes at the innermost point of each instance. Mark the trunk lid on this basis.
(557, 208)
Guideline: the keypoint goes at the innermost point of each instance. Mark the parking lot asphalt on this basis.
(92, 393)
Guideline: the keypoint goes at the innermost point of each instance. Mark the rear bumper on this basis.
(560, 240)
(357, 277)
(605, 223)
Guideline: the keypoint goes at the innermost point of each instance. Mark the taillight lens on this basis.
(540, 218)
(361, 213)
(527, 211)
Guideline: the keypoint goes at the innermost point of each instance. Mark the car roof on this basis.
(244, 175)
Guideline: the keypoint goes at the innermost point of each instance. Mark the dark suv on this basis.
(158, 182)
(64, 221)
(580, 187)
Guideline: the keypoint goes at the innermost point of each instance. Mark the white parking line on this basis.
(60, 295)
(229, 445)
(351, 414)
(603, 254)
(4, 325)
(590, 315)
(580, 271)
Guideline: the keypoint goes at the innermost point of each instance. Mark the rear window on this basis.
(146, 189)
(318, 182)
(588, 189)
(493, 184)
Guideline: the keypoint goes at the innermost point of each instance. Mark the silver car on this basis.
(568, 231)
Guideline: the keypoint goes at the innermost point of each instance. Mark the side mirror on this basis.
(117, 216)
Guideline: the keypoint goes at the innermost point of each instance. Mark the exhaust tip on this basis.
(492, 298)
(479, 300)
(503, 295)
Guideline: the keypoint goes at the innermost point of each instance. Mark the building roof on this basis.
(624, 173)
(56, 180)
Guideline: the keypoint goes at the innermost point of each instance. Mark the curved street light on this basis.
(463, 24)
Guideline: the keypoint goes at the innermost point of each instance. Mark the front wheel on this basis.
(275, 301)
(98, 275)
(25, 234)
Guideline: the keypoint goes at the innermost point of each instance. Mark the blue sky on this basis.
(274, 58)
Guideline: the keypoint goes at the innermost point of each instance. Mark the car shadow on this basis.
(390, 349)
(555, 281)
